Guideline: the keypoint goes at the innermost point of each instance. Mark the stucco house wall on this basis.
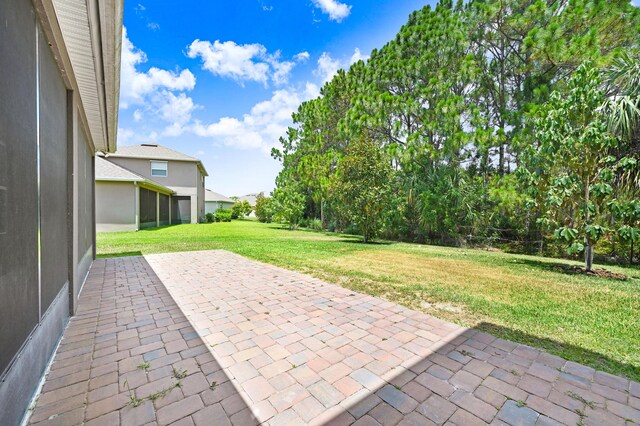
(115, 206)
(180, 173)
(212, 206)
(200, 202)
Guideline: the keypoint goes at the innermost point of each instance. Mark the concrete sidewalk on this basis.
(214, 338)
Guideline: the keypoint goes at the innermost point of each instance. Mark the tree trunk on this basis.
(541, 252)
(588, 256)
(588, 250)
(631, 258)
(322, 213)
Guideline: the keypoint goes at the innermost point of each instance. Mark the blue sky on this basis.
(219, 79)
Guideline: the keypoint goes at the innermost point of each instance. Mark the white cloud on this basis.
(125, 135)
(158, 94)
(281, 70)
(154, 26)
(328, 66)
(337, 11)
(241, 62)
(357, 56)
(262, 127)
(229, 59)
(302, 57)
(175, 110)
(136, 85)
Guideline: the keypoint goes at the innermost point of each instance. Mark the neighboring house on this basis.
(58, 107)
(126, 201)
(251, 198)
(149, 185)
(214, 201)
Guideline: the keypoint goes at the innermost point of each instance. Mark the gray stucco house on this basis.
(214, 201)
(148, 185)
(59, 95)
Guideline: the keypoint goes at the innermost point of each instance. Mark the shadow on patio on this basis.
(130, 357)
(288, 349)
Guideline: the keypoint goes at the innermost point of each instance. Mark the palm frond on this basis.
(623, 115)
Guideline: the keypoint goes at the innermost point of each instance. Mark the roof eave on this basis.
(68, 25)
(157, 186)
(145, 182)
(202, 169)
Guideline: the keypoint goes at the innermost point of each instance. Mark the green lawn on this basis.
(594, 321)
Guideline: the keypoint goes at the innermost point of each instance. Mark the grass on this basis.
(591, 320)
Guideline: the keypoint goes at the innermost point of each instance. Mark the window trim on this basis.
(166, 169)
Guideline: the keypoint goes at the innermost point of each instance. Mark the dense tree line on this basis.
(510, 122)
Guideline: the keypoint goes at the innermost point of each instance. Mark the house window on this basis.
(158, 168)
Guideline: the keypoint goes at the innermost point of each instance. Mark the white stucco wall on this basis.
(115, 206)
(212, 206)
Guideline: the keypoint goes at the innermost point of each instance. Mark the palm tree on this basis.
(623, 105)
(622, 109)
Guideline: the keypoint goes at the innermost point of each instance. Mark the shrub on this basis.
(246, 208)
(315, 224)
(236, 210)
(209, 217)
(241, 209)
(223, 215)
(363, 184)
(264, 208)
(288, 203)
(353, 229)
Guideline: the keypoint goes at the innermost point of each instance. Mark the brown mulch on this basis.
(602, 273)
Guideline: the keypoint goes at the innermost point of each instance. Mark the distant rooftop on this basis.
(154, 152)
(210, 195)
(251, 198)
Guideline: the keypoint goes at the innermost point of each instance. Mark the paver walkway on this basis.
(256, 343)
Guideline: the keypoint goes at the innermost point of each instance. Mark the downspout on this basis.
(137, 204)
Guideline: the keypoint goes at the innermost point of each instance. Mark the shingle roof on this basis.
(151, 152)
(184, 190)
(209, 195)
(251, 198)
(108, 171)
(155, 152)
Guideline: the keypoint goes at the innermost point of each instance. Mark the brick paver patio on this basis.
(212, 338)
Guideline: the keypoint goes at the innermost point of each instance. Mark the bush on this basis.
(208, 217)
(264, 208)
(223, 215)
(288, 203)
(315, 224)
(236, 210)
(241, 209)
(353, 229)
